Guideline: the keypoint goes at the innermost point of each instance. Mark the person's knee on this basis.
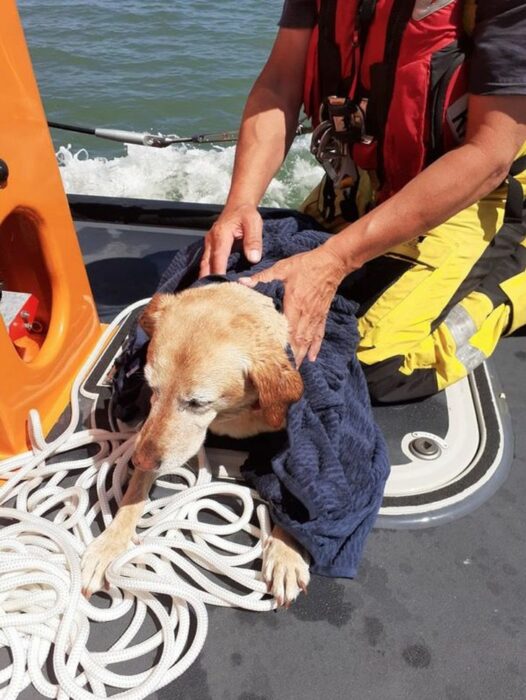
(387, 384)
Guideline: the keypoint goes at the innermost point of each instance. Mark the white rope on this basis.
(47, 525)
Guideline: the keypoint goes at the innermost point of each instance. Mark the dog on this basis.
(216, 361)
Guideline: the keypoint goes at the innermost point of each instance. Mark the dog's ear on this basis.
(278, 385)
(152, 313)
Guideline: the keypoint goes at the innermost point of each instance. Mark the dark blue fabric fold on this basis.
(324, 476)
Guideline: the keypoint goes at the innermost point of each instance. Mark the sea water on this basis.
(167, 66)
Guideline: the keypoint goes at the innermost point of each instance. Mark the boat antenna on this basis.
(155, 140)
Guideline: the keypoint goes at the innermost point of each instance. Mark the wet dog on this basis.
(216, 361)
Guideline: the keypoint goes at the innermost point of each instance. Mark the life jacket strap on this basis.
(514, 212)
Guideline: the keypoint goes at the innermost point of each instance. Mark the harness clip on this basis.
(342, 124)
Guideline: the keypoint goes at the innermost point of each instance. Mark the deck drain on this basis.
(425, 448)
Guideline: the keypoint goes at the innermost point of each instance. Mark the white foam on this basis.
(182, 173)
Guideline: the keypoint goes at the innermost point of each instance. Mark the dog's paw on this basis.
(97, 557)
(285, 567)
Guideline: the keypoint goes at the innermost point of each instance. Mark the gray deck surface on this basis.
(433, 614)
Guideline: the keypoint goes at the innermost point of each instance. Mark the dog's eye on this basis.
(195, 404)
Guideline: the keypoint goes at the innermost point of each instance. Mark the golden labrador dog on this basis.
(216, 361)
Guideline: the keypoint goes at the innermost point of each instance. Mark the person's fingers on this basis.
(244, 223)
(263, 276)
(204, 266)
(252, 236)
(300, 341)
(308, 332)
(300, 352)
(317, 340)
(248, 281)
(294, 318)
(237, 232)
(219, 254)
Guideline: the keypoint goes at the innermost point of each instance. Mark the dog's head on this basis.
(214, 350)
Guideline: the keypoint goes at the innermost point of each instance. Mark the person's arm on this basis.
(496, 131)
(270, 118)
(267, 130)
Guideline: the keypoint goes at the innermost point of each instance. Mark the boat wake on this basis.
(186, 173)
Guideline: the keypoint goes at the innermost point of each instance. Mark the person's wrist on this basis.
(238, 206)
(340, 262)
(236, 201)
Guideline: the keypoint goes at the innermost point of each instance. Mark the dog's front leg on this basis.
(285, 566)
(113, 541)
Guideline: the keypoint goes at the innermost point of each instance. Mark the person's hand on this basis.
(311, 280)
(241, 222)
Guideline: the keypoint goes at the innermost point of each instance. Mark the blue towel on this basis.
(323, 477)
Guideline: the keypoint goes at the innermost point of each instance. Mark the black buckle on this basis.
(342, 123)
(346, 117)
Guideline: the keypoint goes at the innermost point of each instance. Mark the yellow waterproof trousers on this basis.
(434, 308)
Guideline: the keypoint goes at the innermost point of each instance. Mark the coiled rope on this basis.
(48, 521)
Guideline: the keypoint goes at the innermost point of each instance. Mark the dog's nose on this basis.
(145, 461)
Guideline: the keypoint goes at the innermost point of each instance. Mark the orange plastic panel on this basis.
(39, 253)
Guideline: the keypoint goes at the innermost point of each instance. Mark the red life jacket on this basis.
(406, 61)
